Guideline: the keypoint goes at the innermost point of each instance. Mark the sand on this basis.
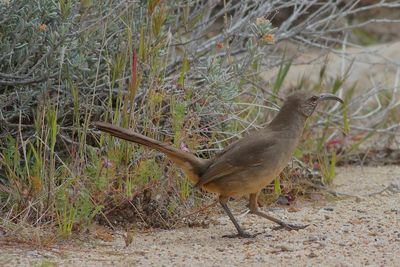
(348, 231)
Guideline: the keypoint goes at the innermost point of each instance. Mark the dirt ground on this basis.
(342, 232)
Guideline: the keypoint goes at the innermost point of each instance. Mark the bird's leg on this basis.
(241, 233)
(282, 225)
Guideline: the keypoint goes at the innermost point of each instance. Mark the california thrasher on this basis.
(245, 166)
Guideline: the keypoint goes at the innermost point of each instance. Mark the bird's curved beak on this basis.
(327, 96)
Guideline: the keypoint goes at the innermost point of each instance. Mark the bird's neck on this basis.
(290, 120)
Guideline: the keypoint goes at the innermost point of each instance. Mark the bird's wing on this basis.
(242, 155)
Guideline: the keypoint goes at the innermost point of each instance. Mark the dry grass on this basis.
(181, 73)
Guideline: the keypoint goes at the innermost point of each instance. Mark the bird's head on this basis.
(306, 102)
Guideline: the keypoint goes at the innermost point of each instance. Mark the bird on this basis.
(246, 166)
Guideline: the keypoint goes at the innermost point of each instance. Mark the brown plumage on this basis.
(246, 166)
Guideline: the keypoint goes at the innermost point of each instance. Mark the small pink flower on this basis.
(220, 45)
(316, 166)
(42, 27)
(107, 163)
(184, 147)
(334, 143)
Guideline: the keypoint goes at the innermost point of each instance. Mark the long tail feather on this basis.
(191, 165)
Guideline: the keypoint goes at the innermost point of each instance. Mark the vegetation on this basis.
(184, 72)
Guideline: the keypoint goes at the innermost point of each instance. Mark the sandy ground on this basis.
(345, 232)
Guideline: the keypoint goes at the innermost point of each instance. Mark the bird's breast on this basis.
(267, 166)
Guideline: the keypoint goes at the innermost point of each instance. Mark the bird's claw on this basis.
(290, 227)
(242, 235)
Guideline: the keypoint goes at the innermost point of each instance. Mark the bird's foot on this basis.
(290, 227)
(242, 235)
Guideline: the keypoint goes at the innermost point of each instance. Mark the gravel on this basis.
(346, 231)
